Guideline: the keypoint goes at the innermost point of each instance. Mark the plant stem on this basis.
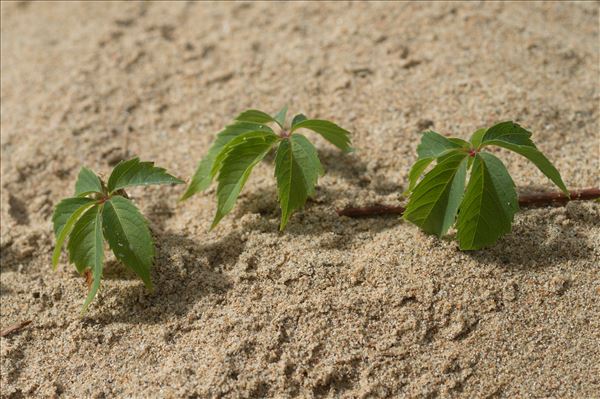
(536, 200)
(14, 328)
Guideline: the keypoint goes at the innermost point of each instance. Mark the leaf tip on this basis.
(189, 192)
(87, 303)
(184, 197)
(215, 222)
(85, 307)
(282, 224)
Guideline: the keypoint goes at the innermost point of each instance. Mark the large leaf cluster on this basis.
(239, 147)
(484, 210)
(101, 212)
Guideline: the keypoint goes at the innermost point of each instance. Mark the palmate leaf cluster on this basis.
(100, 212)
(239, 147)
(484, 210)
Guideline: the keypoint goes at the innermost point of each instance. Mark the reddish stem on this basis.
(536, 200)
(89, 279)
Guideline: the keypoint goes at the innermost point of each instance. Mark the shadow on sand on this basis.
(319, 214)
(184, 271)
(540, 240)
(317, 217)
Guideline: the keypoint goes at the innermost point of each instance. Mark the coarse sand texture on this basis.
(333, 307)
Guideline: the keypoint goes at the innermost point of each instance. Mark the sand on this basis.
(333, 307)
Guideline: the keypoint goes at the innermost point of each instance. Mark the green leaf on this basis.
(204, 176)
(489, 205)
(509, 132)
(434, 202)
(98, 255)
(65, 209)
(65, 215)
(238, 159)
(242, 138)
(513, 137)
(417, 170)
(87, 183)
(128, 235)
(297, 119)
(535, 156)
(83, 247)
(86, 248)
(477, 137)
(434, 145)
(461, 143)
(297, 168)
(136, 173)
(329, 130)
(255, 116)
(280, 117)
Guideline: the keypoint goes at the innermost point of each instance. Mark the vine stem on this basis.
(536, 200)
(14, 328)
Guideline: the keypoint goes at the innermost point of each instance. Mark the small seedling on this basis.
(244, 143)
(487, 207)
(100, 211)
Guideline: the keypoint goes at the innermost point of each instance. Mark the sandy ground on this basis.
(334, 307)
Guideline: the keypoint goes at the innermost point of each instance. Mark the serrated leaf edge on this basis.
(66, 231)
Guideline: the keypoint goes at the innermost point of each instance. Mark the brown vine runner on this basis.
(536, 200)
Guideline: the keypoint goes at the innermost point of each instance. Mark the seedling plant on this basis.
(484, 210)
(102, 211)
(239, 147)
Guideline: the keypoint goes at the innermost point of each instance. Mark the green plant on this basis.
(99, 212)
(487, 207)
(244, 143)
